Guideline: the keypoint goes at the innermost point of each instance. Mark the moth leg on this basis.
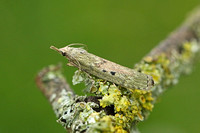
(104, 81)
(88, 75)
(69, 64)
(92, 83)
(115, 84)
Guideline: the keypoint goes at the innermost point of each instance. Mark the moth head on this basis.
(62, 51)
(70, 53)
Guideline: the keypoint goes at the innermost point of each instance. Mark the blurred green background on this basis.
(121, 31)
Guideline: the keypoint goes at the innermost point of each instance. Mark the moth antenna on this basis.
(78, 44)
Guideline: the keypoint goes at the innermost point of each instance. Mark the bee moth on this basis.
(105, 69)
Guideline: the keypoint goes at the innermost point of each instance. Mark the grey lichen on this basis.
(75, 112)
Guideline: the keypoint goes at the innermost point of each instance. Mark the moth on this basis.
(105, 69)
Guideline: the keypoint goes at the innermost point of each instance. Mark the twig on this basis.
(115, 108)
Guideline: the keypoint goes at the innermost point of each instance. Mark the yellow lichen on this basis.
(119, 129)
(122, 104)
(187, 50)
(128, 104)
(133, 104)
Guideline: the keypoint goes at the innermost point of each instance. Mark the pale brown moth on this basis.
(105, 69)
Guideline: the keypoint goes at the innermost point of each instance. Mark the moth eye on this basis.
(63, 120)
(63, 53)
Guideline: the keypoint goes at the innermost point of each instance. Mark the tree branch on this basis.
(114, 107)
